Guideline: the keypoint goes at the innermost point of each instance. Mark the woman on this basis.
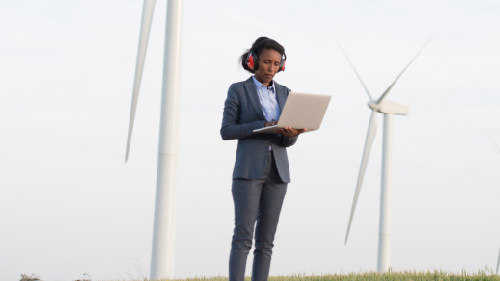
(260, 175)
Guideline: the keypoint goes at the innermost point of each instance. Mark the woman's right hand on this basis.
(272, 123)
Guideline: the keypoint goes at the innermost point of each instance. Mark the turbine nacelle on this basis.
(389, 107)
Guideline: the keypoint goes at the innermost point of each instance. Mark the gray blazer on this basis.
(243, 114)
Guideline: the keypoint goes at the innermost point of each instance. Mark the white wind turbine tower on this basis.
(162, 257)
(388, 108)
(498, 149)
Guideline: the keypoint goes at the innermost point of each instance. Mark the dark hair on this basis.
(262, 43)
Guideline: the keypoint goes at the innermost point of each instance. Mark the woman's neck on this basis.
(267, 84)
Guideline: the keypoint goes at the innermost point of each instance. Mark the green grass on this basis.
(406, 275)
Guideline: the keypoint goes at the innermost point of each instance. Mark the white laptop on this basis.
(301, 111)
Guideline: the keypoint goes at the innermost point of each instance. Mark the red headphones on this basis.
(252, 61)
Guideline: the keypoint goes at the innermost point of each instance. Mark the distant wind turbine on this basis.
(162, 257)
(389, 109)
(498, 149)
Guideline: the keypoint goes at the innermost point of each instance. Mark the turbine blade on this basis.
(386, 92)
(359, 77)
(390, 87)
(372, 129)
(147, 19)
(498, 149)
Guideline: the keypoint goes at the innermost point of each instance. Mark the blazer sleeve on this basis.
(231, 129)
(286, 141)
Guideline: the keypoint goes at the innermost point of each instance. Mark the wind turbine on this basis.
(388, 108)
(162, 257)
(498, 149)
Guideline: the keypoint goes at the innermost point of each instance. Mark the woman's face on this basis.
(269, 63)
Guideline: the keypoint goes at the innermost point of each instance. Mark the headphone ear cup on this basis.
(252, 61)
(255, 60)
(282, 65)
(249, 61)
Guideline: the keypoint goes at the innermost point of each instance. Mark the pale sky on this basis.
(70, 205)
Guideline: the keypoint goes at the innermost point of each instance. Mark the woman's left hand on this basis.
(289, 132)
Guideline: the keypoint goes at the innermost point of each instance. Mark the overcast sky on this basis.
(70, 205)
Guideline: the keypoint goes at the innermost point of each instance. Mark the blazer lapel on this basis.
(280, 96)
(254, 97)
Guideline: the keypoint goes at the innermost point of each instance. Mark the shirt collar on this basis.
(259, 85)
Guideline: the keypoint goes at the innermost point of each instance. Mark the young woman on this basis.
(260, 175)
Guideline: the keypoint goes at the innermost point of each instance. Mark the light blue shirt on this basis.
(267, 97)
